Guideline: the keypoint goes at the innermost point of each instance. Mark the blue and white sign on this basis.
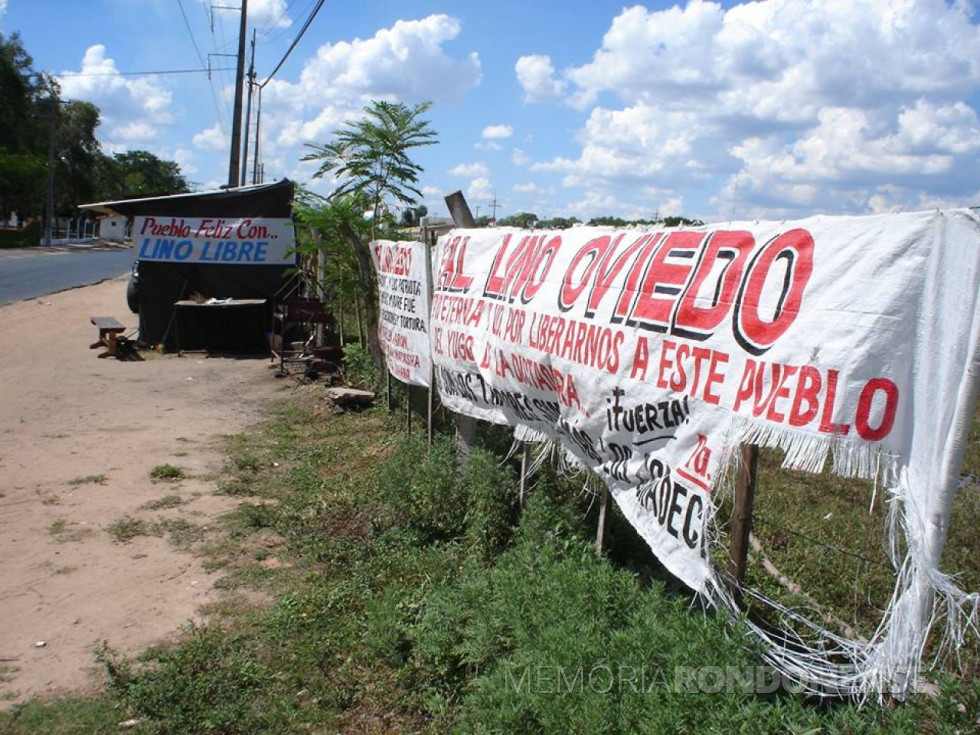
(218, 240)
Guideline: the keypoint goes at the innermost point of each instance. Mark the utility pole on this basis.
(493, 208)
(248, 112)
(234, 166)
(258, 129)
(49, 186)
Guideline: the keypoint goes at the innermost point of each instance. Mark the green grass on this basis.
(125, 529)
(411, 595)
(166, 472)
(89, 480)
(167, 501)
(57, 527)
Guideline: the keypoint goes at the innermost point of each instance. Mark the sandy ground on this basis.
(66, 418)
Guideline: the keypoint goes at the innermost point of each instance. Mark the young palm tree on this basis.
(370, 157)
(370, 160)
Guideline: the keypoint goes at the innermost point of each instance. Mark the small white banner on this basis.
(216, 240)
(403, 324)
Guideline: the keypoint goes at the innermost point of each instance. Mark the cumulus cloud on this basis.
(470, 170)
(536, 76)
(519, 158)
(212, 139)
(479, 190)
(405, 63)
(269, 14)
(497, 132)
(532, 188)
(133, 110)
(784, 107)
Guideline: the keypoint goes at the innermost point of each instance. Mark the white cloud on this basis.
(532, 188)
(497, 132)
(488, 145)
(519, 157)
(787, 106)
(479, 190)
(3, 9)
(405, 63)
(470, 170)
(266, 14)
(186, 159)
(536, 76)
(212, 139)
(133, 110)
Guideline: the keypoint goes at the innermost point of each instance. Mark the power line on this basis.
(272, 23)
(187, 24)
(138, 73)
(295, 41)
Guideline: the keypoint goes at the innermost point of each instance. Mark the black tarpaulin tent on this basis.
(206, 246)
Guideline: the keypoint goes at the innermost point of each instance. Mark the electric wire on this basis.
(302, 30)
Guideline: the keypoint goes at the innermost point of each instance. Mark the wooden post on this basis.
(459, 210)
(742, 518)
(430, 396)
(600, 534)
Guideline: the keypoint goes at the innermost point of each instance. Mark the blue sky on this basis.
(775, 110)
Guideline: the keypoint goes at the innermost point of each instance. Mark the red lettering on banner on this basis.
(686, 283)
(872, 387)
(699, 322)
(572, 286)
(753, 332)
(706, 370)
(664, 280)
(451, 276)
(396, 260)
(525, 269)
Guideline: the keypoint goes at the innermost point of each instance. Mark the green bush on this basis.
(491, 489)
(27, 236)
(422, 490)
(360, 369)
(206, 684)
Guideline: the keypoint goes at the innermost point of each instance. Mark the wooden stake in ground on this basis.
(459, 210)
(742, 518)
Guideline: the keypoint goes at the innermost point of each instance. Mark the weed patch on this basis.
(125, 529)
(166, 473)
(88, 480)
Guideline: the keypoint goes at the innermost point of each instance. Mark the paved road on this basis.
(29, 273)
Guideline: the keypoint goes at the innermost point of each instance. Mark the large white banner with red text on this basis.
(403, 322)
(215, 240)
(651, 354)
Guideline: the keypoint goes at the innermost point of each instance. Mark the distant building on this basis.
(112, 228)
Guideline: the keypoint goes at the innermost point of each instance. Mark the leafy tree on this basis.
(33, 117)
(559, 223)
(608, 221)
(136, 174)
(22, 179)
(28, 101)
(23, 94)
(525, 220)
(370, 159)
(77, 152)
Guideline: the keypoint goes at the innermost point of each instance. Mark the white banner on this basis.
(216, 240)
(652, 354)
(403, 321)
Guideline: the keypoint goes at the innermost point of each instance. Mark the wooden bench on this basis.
(109, 331)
